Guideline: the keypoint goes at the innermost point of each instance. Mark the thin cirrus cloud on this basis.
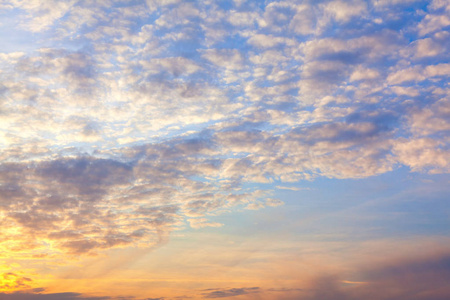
(125, 122)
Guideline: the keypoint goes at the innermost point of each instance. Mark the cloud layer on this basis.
(122, 122)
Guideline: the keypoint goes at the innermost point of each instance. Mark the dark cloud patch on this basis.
(345, 57)
(11, 189)
(33, 218)
(79, 67)
(85, 204)
(39, 197)
(423, 278)
(80, 246)
(55, 296)
(422, 274)
(159, 216)
(39, 294)
(284, 290)
(241, 139)
(201, 207)
(13, 193)
(90, 129)
(76, 70)
(222, 293)
(86, 173)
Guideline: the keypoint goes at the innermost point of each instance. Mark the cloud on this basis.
(227, 58)
(364, 74)
(304, 20)
(432, 23)
(423, 155)
(202, 222)
(431, 119)
(53, 296)
(136, 120)
(423, 278)
(343, 11)
(40, 15)
(427, 47)
(222, 293)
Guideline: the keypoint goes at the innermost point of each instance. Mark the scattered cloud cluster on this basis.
(129, 120)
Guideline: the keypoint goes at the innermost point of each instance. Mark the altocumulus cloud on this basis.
(137, 118)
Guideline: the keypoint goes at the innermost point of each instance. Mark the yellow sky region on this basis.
(188, 265)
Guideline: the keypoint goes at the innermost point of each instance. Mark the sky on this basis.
(168, 149)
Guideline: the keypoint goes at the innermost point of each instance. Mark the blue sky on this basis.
(168, 149)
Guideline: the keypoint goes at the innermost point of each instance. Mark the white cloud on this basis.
(432, 23)
(364, 74)
(304, 20)
(438, 70)
(202, 223)
(42, 14)
(226, 58)
(343, 11)
(428, 47)
(406, 75)
(423, 155)
(431, 119)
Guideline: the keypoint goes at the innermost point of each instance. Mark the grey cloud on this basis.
(55, 296)
(85, 176)
(424, 278)
(200, 207)
(227, 58)
(308, 149)
(415, 278)
(283, 289)
(75, 69)
(85, 171)
(304, 21)
(39, 294)
(242, 140)
(73, 190)
(141, 193)
(222, 293)
(278, 15)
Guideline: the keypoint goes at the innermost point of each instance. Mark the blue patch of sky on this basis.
(233, 41)
(388, 205)
(141, 22)
(382, 204)
(14, 37)
(257, 4)
(402, 24)
(435, 60)
(186, 48)
(285, 106)
(225, 4)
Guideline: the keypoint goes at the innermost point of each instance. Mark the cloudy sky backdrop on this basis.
(167, 149)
